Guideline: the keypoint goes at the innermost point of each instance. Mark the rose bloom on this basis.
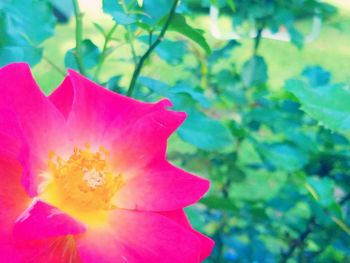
(84, 177)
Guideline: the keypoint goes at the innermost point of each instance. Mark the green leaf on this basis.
(317, 76)
(296, 37)
(224, 52)
(195, 95)
(180, 25)
(100, 29)
(113, 84)
(65, 7)
(205, 133)
(259, 184)
(116, 10)
(232, 5)
(175, 92)
(217, 202)
(198, 129)
(31, 18)
(157, 86)
(168, 50)
(322, 190)
(283, 156)
(155, 10)
(327, 104)
(254, 71)
(171, 51)
(24, 24)
(24, 53)
(91, 55)
(150, 12)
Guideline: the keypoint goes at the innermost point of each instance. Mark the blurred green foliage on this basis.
(278, 160)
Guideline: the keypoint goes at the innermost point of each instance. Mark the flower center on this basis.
(83, 185)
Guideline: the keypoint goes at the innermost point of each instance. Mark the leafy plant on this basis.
(278, 161)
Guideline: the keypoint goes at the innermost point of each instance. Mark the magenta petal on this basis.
(12, 143)
(50, 250)
(97, 110)
(42, 220)
(139, 237)
(180, 217)
(63, 97)
(161, 187)
(13, 198)
(41, 123)
(145, 140)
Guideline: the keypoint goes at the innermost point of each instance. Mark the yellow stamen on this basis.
(83, 185)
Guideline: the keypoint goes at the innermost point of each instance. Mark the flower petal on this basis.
(97, 110)
(42, 124)
(57, 250)
(63, 96)
(11, 139)
(13, 198)
(160, 187)
(42, 220)
(145, 140)
(180, 217)
(138, 237)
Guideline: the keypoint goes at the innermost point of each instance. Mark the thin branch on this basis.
(304, 235)
(299, 240)
(47, 59)
(130, 39)
(225, 217)
(150, 38)
(159, 39)
(257, 40)
(104, 50)
(78, 36)
(130, 36)
(52, 64)
(344, 199)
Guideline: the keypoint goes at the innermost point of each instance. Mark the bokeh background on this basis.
(245, 71)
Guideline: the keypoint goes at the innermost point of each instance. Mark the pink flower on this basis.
(84, 178)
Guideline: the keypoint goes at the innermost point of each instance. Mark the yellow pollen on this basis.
(82, 185)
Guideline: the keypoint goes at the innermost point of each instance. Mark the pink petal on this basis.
(145, 140)
(139, 237)
(160, 187)
(97, 115)
(42, 124)
(11, 138)
(63, 97)
(180, 217)
(42, 220)
(13, 198)
(51, 250)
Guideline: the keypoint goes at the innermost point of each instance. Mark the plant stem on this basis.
(78, 36)
(56, 67)
(130, 37)
(150, 38)
(257, 40)
(159, 39)
(104, 50)
(220, 242)
(131, 44)
(225, 216)
(47, 59)
(299, 240)
(344, 199)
